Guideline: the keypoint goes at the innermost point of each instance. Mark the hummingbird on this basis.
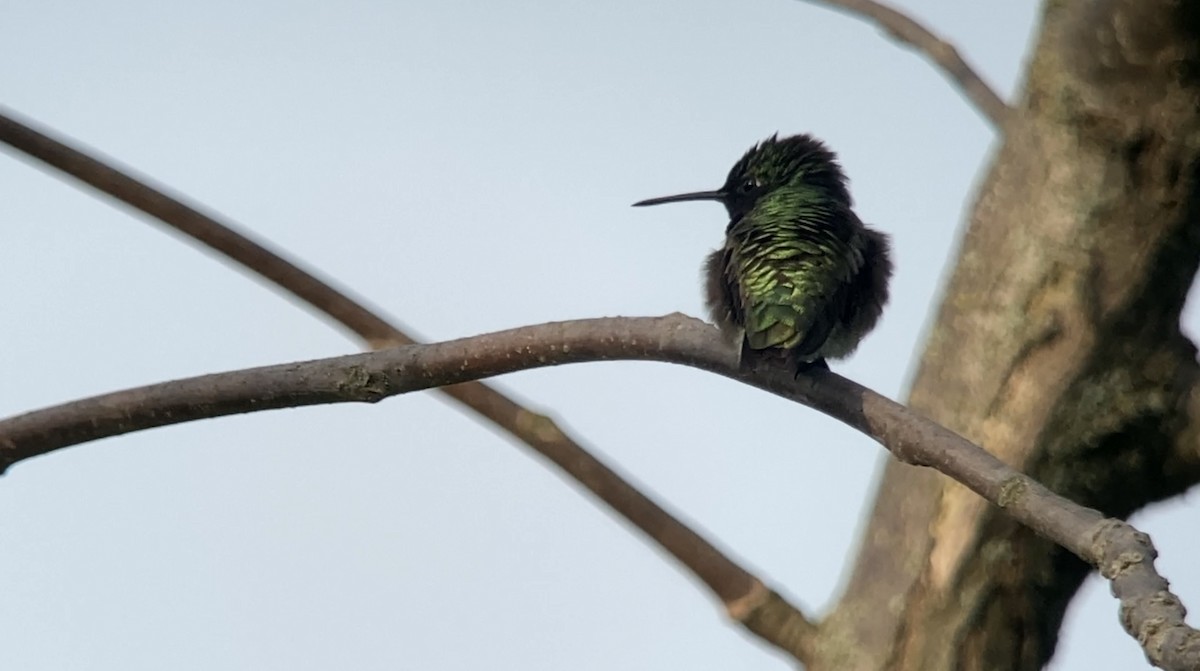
(799, 276)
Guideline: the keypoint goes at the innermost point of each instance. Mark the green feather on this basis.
(789, 269)
(799, 274)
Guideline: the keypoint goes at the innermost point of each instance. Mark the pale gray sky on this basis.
(465, 166)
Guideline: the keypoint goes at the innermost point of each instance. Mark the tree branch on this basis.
(1124, 556)
(1056, 344)
(943, 54)
(744, 596)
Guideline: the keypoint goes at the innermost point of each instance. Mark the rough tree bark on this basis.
(1057, 347)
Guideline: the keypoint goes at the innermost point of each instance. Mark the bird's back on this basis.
(792, 283)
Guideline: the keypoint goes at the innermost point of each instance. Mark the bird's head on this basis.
(799, 164)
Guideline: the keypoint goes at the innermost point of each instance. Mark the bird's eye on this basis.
(748, 186)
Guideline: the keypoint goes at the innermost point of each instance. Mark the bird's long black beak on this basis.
(679, 198)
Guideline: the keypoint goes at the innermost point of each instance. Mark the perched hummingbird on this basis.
(799, 274)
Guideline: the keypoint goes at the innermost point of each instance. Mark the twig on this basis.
(943, 54)
(745, 598)
(1124, 555)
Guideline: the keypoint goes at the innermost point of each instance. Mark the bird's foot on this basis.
(806, 367)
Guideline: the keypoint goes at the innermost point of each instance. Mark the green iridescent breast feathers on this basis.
(798, 274)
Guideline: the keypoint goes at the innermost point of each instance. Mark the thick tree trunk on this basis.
(1057, 347)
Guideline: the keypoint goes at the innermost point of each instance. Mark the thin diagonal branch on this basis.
(1124, 556)
(944, 55)
(745, 598)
